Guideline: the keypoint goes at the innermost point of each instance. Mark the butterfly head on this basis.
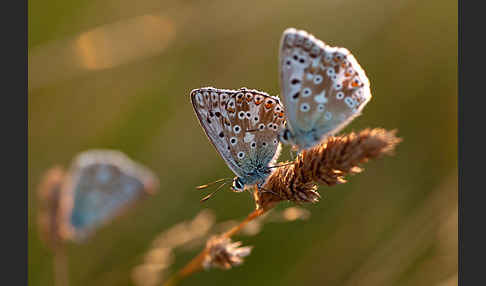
(238, 185)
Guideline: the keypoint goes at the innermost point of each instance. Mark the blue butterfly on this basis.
(243, 126)
(98, 187)
(323, 88)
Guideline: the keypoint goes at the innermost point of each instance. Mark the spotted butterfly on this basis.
(99, 185)
(323, 88)
(243, 126)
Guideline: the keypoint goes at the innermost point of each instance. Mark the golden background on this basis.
(117, 74)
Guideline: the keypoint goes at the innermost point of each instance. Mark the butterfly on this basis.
(323, 88)
(100, 185)
(243, 126)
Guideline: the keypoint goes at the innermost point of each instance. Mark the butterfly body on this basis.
(323, 88)
(243, 126)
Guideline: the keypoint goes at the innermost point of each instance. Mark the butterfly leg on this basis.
(291, 152)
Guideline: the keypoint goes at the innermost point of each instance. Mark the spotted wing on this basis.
(241, 124)
(323, 88)
(100, 185)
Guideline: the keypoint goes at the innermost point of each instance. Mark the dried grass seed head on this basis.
(223, 253)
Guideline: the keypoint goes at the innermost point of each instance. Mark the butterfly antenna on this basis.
(212, 183)
(277, 166)
(211, 194)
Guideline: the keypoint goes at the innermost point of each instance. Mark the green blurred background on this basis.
(117, 74)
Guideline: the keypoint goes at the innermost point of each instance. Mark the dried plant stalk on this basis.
(327, 163)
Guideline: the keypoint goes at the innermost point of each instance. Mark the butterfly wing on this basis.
(241, 124)
(323, 88)
(100, 185)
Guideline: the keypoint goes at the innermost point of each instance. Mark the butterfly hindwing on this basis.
(242, 125)
(323, 87)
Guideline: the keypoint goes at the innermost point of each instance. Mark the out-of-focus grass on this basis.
(115, 74)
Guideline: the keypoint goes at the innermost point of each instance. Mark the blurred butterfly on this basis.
(99, 185)
(243, 126)
(323, 88)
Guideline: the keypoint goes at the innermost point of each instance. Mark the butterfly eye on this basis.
(320, 107)
(275, 141)
(233, 141)
(318, 79)
(237, 185)
(241, 155)
(206, 95)
(253, 145)
(237, 129)
(261, 126)
(223, 96)
(340, 95)
(248, 97)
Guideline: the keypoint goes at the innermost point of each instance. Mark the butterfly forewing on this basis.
(323, 87)
(100, 185)
(242, 125)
